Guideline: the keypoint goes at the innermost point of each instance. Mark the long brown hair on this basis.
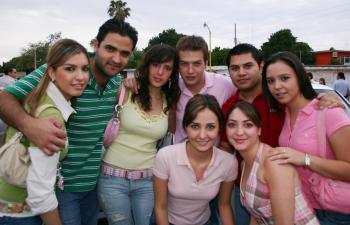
(58, 54)
(158, 54)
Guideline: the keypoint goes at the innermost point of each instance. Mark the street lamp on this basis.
(206, 25)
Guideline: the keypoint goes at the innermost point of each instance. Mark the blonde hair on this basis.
(58, 54)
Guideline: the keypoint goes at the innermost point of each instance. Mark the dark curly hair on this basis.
(158, 54)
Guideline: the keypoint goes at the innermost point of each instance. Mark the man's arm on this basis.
(329, 100)
(46, 133)
(40, 132)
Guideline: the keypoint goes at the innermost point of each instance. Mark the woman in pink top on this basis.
(269, 191)
(285, 83)
(188, 175)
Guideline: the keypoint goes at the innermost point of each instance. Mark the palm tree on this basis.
(118, 10)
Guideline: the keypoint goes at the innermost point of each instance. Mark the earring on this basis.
(169, 83)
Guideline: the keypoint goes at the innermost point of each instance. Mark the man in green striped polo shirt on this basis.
(77, 197)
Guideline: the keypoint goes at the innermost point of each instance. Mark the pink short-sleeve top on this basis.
(188, 199)
(304, 137)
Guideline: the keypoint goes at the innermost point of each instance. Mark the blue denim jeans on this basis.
(153, 221)
(78, 208)
(33, 220)
(332, 218)
(242, 216)
(123, 200)
(215, 212)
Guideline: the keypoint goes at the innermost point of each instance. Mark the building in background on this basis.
(333, 56)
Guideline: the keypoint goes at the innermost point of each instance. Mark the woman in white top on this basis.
(66, 77)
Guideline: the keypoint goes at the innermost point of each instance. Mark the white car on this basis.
(323, 89)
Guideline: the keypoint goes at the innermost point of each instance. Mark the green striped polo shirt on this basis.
(94, 108)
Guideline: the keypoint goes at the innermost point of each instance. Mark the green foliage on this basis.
(135, 58)
(169, 36)
(335, 62)
(118, 10)
(304, 52)
(283, 40)
(218, 56)
(36, 50)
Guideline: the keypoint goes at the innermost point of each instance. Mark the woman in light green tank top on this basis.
(125, 184)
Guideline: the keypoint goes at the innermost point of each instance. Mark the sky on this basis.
(320, 23)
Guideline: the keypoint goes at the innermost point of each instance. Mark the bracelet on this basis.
(307, 160)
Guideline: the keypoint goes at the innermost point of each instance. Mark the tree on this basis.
(169, 36)
(33, 55)
(304, 52)
(135, 58)
(219, 56)
(118, 10)
(283, 40)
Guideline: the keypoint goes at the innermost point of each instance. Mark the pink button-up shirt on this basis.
(303, 137)
(217, 85)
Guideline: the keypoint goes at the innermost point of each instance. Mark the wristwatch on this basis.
(307, 160)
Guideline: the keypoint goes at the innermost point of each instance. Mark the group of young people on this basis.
(190, 182)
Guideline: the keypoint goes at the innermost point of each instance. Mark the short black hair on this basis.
(341, 75)
(8, 70)
(119, 27)
(243, 49)
(310, 75)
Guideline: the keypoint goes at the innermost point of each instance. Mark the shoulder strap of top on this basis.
(259, 153)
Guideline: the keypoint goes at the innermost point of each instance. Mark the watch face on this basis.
(307, 160)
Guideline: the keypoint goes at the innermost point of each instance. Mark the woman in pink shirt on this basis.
(190, 174)
(285, 83)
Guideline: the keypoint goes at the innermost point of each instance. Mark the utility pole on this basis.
(235, 39)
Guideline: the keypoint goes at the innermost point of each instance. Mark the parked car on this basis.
(323, 89)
